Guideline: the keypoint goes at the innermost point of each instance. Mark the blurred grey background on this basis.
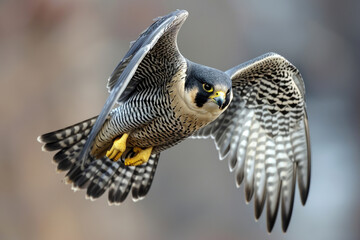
(55, 57)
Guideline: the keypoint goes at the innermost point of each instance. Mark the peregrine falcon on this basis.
(255, 112)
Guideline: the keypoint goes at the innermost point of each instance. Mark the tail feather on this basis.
(97, 175)
(117, 190)
(69, 152)
(121, 186)
(67, 142)
(102, 179)
(138, 176)
(142, 186)
(67, 132)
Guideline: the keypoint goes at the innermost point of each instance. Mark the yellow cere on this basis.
(218, 94)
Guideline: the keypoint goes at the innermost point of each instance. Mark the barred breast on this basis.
(173, 121)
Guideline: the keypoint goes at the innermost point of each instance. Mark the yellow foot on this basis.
(141, 157)
(118, 148)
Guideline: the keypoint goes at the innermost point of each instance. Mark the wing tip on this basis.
(270, 225)
(177, 12)
(249, 191)
(181, 13)
(272, 209)
(304, 193)
(257, 212)
(285, 225)
(259, 206)
(304, 189)
(286, 215)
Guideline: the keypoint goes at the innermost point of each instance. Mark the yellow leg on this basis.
(141, 157)
(118, 148)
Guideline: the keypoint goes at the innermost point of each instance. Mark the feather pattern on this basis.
(98, 175)
(145, 104)
(152, 61)
(264, 135)
(154, 52)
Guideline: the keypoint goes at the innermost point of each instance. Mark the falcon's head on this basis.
(207, 90)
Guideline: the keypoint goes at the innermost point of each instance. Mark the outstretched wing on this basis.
(264, 134)
(149, 57)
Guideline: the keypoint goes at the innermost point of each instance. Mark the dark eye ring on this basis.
(207, 87)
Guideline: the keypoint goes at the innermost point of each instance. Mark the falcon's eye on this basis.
(208, 88)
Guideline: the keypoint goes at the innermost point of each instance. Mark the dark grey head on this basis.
(207, 88)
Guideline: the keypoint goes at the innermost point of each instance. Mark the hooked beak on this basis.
(219, 98)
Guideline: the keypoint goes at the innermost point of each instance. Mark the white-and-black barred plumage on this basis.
(263, 133)
(101, 174)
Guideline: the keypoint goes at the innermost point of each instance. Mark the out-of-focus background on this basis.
(55, 57)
